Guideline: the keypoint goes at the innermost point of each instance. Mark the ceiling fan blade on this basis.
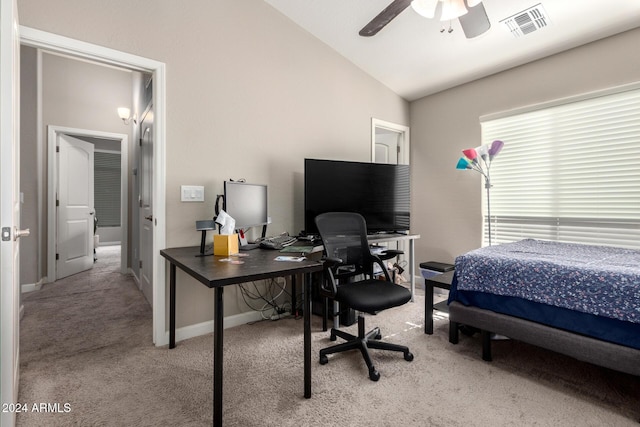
(475, 22)
(384, 17)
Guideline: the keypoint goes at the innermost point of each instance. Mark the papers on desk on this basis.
(290, 258)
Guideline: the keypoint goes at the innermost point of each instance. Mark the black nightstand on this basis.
(442, 281)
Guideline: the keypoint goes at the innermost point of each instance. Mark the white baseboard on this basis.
(135, 278)
(204, 328)
(31, 287)
(109, 244)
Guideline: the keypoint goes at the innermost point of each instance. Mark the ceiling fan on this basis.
(471, 14)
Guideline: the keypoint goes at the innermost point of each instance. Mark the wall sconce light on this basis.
(125, 115)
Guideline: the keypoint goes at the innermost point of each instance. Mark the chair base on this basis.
(363, 342)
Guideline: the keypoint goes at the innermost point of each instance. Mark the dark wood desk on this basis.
(213, 273)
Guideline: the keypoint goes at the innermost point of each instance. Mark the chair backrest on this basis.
(344, 236)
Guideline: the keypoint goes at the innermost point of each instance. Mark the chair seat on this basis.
(371, 296)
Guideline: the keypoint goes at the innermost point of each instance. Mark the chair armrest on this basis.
(329, 262)
(328, 286)
(377, 260)
(390, 253)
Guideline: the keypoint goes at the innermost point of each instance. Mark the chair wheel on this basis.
(374, 375)
(324, 359)
(333, 337)
(408, 356)
(378, 337)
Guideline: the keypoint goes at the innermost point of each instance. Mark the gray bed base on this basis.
(602, 353)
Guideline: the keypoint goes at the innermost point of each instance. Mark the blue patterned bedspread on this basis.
(599, 280)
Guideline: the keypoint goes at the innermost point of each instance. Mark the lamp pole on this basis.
(479, 159)
(487, 185)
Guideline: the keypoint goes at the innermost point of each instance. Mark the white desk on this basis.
(397, 237)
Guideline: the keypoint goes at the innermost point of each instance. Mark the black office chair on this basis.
(344, 236)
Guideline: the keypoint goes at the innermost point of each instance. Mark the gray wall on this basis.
(447, 202)
(29, 254)
(249, 95)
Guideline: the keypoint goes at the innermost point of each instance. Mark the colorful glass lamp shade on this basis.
(463, 163)
(479, 159)
(496, 147)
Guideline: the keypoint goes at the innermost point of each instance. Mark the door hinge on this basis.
(57, 149)
(6, 234)
(398, 149)
(57, 257)
(140, 142)
(57, 203)
(140, 264)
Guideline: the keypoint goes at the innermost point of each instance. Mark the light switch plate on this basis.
(192, 193)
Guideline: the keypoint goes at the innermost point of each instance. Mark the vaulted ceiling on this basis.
(414, 58)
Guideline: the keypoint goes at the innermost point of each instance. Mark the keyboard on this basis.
(277, 242)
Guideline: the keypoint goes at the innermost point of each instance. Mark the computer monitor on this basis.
(246, 203)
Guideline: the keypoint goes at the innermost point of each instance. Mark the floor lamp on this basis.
(479, 159)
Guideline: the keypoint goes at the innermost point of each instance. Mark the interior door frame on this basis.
(404, 142)
(80, 49)
(9, 208)
(53, 133)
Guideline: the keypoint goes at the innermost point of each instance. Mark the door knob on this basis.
(21, 233)
(149, 218)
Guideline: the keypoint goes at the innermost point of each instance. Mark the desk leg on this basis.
(428, 308)
(218, 328)
(412, 268)
(307, 335)
(172, 305)
(294, 299)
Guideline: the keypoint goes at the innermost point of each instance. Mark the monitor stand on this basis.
(203, 226)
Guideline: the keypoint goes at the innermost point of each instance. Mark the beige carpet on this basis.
(86, 342)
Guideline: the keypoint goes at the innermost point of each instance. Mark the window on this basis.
(107, 188)
(568, 172)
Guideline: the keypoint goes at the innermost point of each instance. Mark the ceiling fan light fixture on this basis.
(452, 9)
(426, 8)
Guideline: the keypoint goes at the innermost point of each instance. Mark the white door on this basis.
(390, 142)
(386, 146)
(146, 205)
(76, 213)
(9, 207)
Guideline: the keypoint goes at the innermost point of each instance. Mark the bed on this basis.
(579, 300)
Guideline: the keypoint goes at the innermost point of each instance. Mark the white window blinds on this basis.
(568, 172)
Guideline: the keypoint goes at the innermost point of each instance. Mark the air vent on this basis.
(527, 21)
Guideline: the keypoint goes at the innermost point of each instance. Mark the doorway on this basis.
(389, 142)
(63, 261)
(82, 50)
